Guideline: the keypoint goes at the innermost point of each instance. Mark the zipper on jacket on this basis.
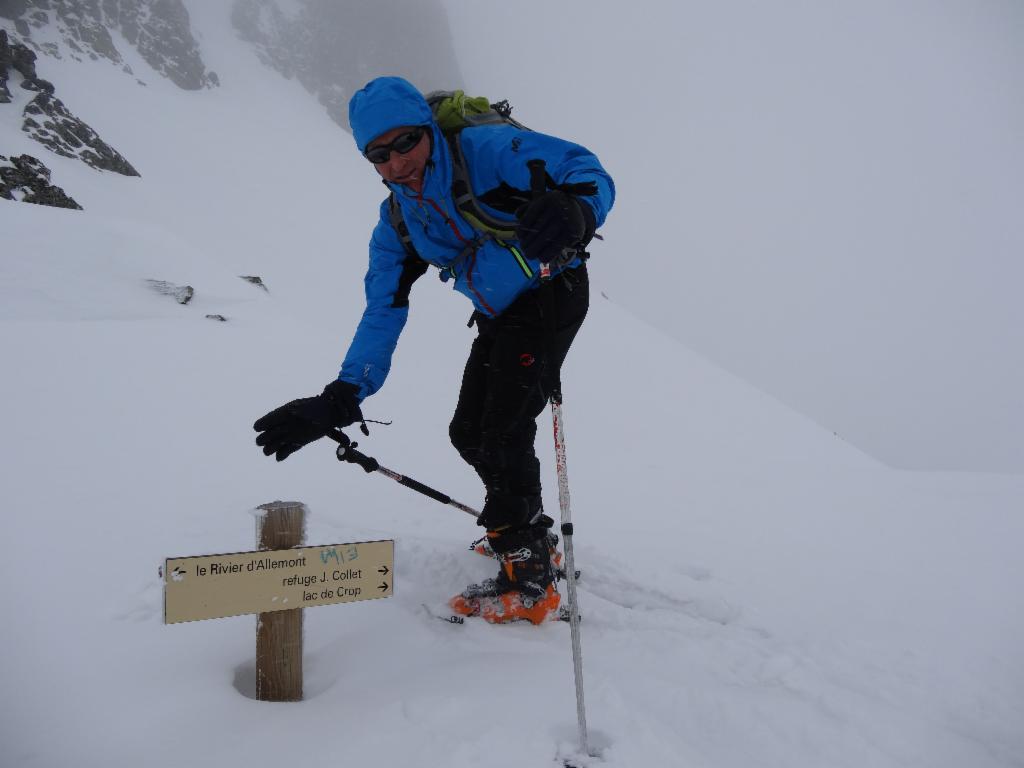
(523, 264)
(462, 239)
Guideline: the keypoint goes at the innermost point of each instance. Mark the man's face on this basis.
(401, 168)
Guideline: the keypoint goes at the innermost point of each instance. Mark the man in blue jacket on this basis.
(515, 360)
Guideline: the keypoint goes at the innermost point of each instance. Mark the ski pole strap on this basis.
(538, 177)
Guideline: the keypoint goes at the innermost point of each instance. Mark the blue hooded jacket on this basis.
(492, 275)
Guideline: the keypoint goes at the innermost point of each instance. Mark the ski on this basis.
(454, 618)
(450, 618)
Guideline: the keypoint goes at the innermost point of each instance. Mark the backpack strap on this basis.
(466, 201)
(414, 266)
(399, 225)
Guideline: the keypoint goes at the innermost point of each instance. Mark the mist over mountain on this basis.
(333, 48)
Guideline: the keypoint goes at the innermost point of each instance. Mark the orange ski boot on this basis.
(524, 589)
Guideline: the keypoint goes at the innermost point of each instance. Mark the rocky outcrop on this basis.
(25, 178)
(334, 48)
(160, 30)
(84, 30)
(18, 58)
(48, 120)
(6, 65)
(50, 123)
(180, 293)
(255, 280)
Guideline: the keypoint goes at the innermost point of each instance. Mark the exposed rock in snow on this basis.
(334, 48)
(6, 62)
(27, 179)
(161, 32)
(50, 123)
(255, 280)
(180, 293)
(48, 120)
(18, 58)
(159, 29)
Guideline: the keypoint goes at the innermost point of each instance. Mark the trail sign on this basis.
(216, 586)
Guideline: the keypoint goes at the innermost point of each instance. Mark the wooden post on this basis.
(279, 634)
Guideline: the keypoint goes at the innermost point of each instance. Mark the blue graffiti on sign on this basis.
(329, 554)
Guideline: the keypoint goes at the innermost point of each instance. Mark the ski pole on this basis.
(347, 452)
(538, 185)
(570, 564)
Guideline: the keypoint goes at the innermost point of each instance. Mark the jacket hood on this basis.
(383, 104)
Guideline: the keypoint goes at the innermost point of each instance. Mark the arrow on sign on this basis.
(383, 587)
(383, 569)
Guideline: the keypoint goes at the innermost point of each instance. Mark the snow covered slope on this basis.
(756, 592)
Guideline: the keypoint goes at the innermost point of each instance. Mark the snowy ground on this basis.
(756, 592)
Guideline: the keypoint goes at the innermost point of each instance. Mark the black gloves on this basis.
(286, 429)
(553, 222)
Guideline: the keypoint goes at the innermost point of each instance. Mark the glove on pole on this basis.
(551, 226)
(286, 429)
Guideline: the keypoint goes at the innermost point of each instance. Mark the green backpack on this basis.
(453, 111)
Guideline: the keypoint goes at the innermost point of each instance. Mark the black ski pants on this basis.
(513, 367)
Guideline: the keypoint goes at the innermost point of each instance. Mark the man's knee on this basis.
(465, 436)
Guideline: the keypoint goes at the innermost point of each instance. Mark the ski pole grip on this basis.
(347, 452)
(538, 178)
(339, 437)
(538, 186)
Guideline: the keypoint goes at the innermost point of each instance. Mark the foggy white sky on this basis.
(828, 196)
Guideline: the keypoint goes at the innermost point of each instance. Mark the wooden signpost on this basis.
(277, 581)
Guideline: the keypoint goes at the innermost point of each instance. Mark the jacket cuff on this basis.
(345, 397)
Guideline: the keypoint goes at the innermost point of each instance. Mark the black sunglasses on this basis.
(403, 143)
